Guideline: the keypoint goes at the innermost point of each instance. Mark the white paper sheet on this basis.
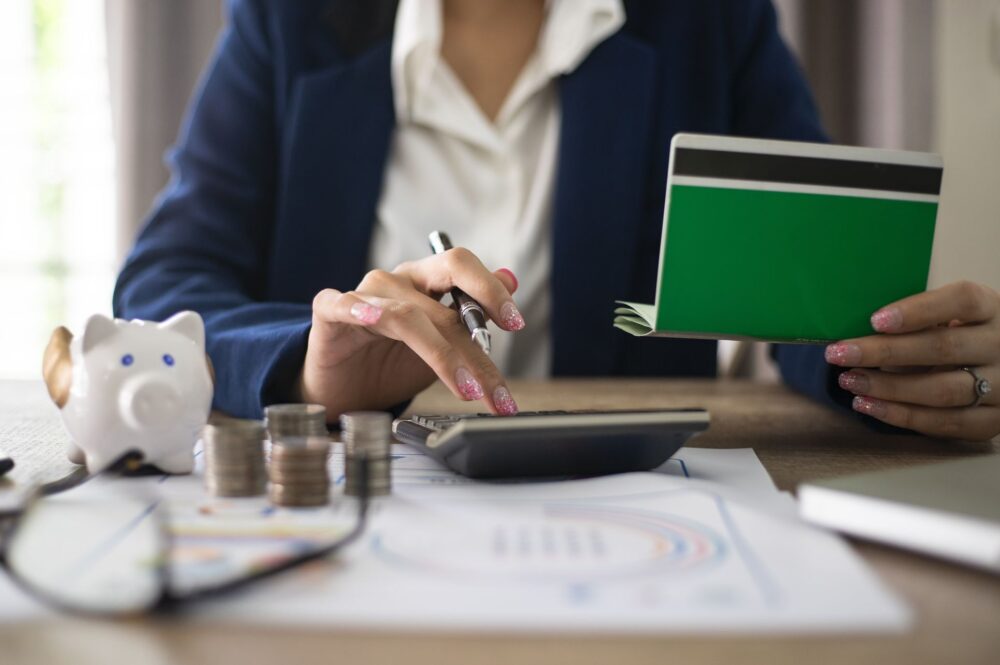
(653, 552)
(33, 436)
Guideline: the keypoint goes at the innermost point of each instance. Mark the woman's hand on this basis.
(913, 374)
(387, 340)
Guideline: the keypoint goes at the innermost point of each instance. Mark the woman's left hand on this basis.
(912, 374)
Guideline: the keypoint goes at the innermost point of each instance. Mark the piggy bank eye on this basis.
(127, 359)
(168, 360)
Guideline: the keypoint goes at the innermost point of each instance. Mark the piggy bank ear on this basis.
(57, 366)
(98, 329)
(188, 324)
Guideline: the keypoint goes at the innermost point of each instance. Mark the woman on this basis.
(329, 137)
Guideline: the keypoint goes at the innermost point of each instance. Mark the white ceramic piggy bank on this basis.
(132, 385)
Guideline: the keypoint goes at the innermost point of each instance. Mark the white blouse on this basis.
(489, 185)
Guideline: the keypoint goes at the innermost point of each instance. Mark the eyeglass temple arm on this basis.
(127, 461)
(169, 601)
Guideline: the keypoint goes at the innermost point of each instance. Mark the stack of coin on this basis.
(234, 457)
(284, 420)
(298, 471)
(367, 434)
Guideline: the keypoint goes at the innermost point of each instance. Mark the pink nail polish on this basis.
(887, 319)
(504, 403)
(510, 317)
(468, 387)
(511, 275)
(869, 405)
(843, 354)
(854, 382)
(365, 313)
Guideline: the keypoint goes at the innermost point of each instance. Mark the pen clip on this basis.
(439, 241)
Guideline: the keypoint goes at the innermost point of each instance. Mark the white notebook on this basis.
(949, 509)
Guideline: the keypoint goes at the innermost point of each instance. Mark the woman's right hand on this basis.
(388, 339)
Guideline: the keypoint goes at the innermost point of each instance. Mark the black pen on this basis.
(470, 311)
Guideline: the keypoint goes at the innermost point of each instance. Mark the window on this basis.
(57, 186)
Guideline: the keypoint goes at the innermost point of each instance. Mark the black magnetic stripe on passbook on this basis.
(807, 171)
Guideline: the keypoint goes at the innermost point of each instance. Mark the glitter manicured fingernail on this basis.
(887, 319)
(468, 387)
(854, 382)
(504, 403)
(843, 354)
(365, 313)
(873, 407)
(510, 317)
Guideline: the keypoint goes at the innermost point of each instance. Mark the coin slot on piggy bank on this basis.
(132, 385)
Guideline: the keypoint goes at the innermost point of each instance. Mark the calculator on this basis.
(551, 443)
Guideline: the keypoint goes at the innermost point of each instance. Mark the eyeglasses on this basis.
(109, 554)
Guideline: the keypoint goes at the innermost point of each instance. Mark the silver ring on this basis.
(981, 386)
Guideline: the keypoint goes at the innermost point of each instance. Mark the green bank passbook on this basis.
(786, 241)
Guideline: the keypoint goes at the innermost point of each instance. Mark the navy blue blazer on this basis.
(279, 165)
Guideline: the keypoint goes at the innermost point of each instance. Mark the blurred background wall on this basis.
(966, 104)
(156, 52)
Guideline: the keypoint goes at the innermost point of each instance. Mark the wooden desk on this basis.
(957, 609)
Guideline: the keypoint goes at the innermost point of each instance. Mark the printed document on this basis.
(706, 544)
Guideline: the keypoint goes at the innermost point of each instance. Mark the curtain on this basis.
(156, 51)
(870, 64)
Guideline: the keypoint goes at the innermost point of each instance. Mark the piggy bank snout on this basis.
(147, 402)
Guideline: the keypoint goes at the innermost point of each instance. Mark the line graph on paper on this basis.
(563, 542)
(688, 551)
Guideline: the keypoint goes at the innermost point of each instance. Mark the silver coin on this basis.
(294, 411)
(295, 420)
(285, 478)
(275, 432)
(367, 435)
(245, 452)
(292, 455)
(244, 489)
(310, 502)
(237, 490)
(299, 464)
(301, 445)
(282, 496)
(234, 457)
(233, 428)
(234, 441)
(231, 456)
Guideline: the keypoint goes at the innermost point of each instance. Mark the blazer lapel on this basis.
(340, 127)
(604, 160)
